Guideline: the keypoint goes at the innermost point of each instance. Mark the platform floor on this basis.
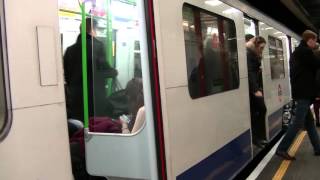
(306, 167)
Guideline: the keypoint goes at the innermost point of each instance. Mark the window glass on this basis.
(211, 52)
(249, 26)
(115, 89)
(276, 58)
(294, 44)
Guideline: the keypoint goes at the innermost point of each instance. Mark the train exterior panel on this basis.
(37, 144)
(205, 136)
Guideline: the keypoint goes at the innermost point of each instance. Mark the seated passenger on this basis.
(139, 121)
(136, 115)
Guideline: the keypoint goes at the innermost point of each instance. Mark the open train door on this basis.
(119, 121)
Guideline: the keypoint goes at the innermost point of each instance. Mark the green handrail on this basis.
(84, 65)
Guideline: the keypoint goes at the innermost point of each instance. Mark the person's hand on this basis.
(124, 121)
(317, 98)
(258, 94)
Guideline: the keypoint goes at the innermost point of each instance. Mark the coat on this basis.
(97, 71)
(254, 71)
(303, 67)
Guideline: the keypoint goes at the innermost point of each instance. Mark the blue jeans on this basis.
(302, 119)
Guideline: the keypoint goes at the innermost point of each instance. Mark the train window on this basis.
(211, 52)
(114, 67)
(249, 26)
(294, 44)
(276, 58)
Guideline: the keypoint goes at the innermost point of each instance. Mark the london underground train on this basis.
(186, 126)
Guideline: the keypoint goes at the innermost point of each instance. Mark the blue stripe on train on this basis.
(275, 123)
(224, 163)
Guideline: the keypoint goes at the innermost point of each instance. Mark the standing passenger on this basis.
(303, 67)
(97, 71)
(258, 109)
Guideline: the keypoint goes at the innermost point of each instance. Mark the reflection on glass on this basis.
(276, 58)
(114, 71)
(211, 52)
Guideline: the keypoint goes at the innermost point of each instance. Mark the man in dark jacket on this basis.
(255, 46)
(303, 67)
(97, 71)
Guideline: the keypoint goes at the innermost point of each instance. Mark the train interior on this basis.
(115, 91)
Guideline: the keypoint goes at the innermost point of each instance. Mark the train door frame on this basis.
(4, 77)
(158, 164)
(261, 79)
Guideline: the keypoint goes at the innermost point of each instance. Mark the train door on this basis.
(277, 89)
(258, 127)
(119, 137)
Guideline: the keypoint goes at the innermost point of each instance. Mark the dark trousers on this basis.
(316, 107)
(303, 119)
(258, 113)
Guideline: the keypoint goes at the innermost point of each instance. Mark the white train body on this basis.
(204, 138)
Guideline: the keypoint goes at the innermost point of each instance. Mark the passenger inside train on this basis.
(130, 122)
(98, 70)
(255, 46)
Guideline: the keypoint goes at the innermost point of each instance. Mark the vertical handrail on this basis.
(84, 65)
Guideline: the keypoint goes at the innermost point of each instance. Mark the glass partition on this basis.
(113, 64)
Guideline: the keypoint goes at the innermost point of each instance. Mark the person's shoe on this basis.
(318, 124)
(285, 155)
(317, 153)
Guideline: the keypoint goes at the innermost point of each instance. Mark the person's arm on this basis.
(140, 119)
(66, 61)
(102, 65)
(310, 59)
(124, 128)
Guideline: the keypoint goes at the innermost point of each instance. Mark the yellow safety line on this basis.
(285, 163)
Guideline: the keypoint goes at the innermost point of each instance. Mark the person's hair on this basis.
(91, 24)
(134, 92)
(259, 40)
(307, 34)
(248, 37)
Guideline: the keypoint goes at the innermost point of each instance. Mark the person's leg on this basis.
(297, 124)
(312, 132)
(254, 121)
(261, 118)
(316, 107)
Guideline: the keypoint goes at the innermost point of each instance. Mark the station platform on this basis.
(306, 165)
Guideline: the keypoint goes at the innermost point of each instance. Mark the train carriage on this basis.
(191, 58)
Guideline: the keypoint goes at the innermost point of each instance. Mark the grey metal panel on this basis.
(118, 155)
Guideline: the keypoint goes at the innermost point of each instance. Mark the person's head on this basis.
(259, 44)
(91, 26)
(310, 38)
(134, 92)
(248, 37)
